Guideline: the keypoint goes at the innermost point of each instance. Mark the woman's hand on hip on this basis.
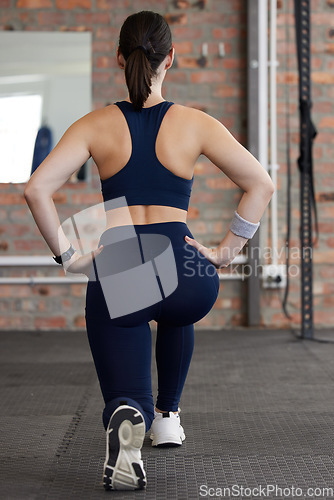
(214, 255)
(82, 264)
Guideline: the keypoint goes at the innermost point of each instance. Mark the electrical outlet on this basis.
(274, 276)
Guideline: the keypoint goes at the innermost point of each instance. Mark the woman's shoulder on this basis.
(194, 115)
(101, 114)
(99, 119)
(187, 109)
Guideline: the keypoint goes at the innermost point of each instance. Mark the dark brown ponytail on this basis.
(145, 40)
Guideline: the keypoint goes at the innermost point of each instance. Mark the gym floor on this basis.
(257, 410)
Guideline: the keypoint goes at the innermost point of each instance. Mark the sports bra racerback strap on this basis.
(144, 125)
(144, 180)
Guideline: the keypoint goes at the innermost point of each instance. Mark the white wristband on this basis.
(242, 227)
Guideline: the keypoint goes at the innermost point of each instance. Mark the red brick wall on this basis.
(322, 78)
(219, 88)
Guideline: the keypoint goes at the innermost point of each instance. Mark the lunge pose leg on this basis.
(121, 349)
(174, 348)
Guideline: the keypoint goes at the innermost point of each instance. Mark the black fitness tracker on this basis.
(60, 259)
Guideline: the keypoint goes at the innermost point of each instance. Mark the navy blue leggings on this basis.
(121, 346)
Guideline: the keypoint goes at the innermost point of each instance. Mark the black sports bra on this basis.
(144, 180)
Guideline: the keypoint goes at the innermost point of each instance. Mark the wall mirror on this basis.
(45, 85)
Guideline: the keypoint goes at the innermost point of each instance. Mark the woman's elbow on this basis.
(266, 185)
(28, 192)
(270, 187)
(265, 188)
(31, 192)
(267, 191)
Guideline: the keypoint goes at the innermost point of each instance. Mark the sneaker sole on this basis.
(123, 467)
(166, 441)
(166, 444)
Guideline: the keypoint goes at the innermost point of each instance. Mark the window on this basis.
(20, 120)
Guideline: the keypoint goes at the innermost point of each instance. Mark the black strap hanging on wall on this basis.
(305, 163)
(288, 163)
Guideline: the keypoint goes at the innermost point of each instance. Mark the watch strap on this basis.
(60, 259)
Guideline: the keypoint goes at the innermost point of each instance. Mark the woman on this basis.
(145, 149)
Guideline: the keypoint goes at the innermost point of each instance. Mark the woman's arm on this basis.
(72, 151)
(235, 161)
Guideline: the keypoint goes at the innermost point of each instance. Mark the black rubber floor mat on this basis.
(257, 410)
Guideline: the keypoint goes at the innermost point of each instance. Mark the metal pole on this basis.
(253, 299)
(273, 128)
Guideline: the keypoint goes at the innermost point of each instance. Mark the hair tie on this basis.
(141, 47)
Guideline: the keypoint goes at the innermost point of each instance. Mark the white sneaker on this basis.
(166, 429)
(123, 467)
